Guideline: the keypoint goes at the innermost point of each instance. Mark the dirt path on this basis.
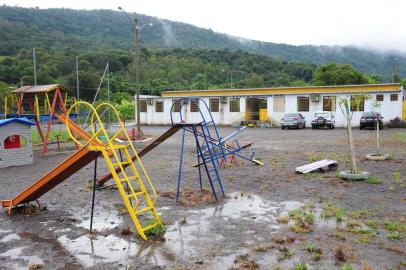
(271, 217)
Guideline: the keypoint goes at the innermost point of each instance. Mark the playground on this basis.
(270, 218)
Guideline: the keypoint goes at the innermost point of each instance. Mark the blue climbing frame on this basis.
(211, 149)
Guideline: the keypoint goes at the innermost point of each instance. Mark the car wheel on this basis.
(304, 126)
(333, 126)
(282, 127)
(360, 127)
(313, 127)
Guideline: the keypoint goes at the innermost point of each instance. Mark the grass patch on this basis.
(394, 226)
(371, 224)
(331, 210)
(394, 236)
(401, 136)
(52, 137)
(364, 239)
(373, 180)
(397, 177)
(155, 231)
(301, 266)
(346, 267)
(316, 252)
(362, 212)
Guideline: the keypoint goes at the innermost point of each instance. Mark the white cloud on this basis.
(376, 24)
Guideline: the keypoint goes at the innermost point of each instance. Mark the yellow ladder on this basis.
(116, 154)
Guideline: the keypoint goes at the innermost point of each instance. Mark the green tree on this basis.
(126, 109)
(338, 74)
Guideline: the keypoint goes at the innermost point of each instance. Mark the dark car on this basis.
(368, 119)
(295, 120)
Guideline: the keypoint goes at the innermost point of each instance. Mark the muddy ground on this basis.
(271, 217)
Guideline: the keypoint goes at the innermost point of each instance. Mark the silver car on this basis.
(295, 120)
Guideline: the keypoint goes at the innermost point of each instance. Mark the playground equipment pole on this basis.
(94, 192)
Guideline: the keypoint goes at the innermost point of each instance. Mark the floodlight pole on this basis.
(137, 77)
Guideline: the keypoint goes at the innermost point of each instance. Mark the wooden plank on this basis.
(316, 165)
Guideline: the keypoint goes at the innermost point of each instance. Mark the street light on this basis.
(136, 28)
(394, 70)
(231, 77)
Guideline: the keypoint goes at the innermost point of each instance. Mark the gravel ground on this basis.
(271, 217)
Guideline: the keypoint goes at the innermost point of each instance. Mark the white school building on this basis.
(231, 106)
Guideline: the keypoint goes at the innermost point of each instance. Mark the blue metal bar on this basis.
(180, 166)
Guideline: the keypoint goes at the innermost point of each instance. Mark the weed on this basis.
(155, 231)
(339, 254)
(316, 252)
(295, 214)
(346, 267)
(340, 215)
(394, 226)
(300, 226)
(394, 236)
(301, 266)
(371, 224)
(331, 210)
(285, 253)
(309, 217)
(374, 180)
(339, 235)
(283, 219)
(397, 177)
(362, 212)
(362, 239)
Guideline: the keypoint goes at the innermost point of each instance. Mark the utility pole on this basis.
(35, 66)
(77, 78)
(394, 71)
(137, 77)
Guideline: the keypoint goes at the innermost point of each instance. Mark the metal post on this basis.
(231, 79)
(35, 66)
(94, 191)
(77, 78)
(108, 93)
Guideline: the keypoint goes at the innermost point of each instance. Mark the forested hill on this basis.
(79, 31)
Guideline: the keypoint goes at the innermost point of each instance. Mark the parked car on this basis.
(323, 119)
(368, 119)
(295, 120)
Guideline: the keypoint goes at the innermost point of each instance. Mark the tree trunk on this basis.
(354, 168)
(377, 138)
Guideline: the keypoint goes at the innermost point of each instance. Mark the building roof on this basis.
(21, 120)
(39, 88)
(332, 89)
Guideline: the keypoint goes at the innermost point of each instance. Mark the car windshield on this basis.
(369, 114)
(321, 114)
(291, 115)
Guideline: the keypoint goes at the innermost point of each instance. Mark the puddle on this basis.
(10, 237)
(16, 254)
(112, 249)
(104, 218)
(5, 231)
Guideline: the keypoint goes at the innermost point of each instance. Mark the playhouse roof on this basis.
(21, 120)
(39, 88)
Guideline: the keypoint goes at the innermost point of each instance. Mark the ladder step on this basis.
(123, 180)
(149, 227)
(143, 210)
(122, 163)
(120, 146)
(135, 194)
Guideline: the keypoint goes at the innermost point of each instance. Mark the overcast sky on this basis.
(377, 24)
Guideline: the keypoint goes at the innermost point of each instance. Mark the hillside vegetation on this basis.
(79, 31)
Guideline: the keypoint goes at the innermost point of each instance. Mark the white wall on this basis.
(389, 110)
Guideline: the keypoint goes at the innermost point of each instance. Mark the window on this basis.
(235, 105)
(357, 103)
(143, 106)
(263, 104)
(159, 106)
(329, 103)
(176, 105)
(302, 104)
(14, 141)
(194, 105)
(379, 97)
(279, 104)
(393, 97)
(214, 104)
